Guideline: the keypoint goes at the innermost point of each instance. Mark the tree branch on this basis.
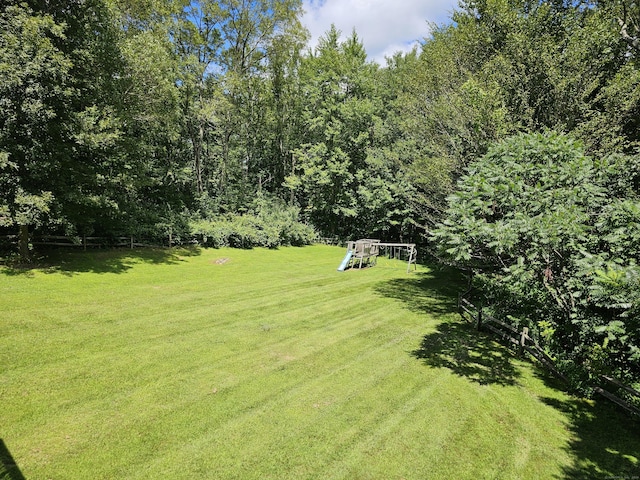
(634, 42)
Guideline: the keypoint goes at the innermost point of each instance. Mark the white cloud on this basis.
(384, 26)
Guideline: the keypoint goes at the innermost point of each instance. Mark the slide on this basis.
(345, 262)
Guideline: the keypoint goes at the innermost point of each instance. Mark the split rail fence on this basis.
(88, 242)
(520, 339)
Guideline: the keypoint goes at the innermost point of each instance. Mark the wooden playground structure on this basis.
(366, 250)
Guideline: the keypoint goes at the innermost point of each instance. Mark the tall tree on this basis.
(513, 65)
(152, 119)
(283, 127)
(341, 179)
(444, 115)
(225, 46)
(59, 127)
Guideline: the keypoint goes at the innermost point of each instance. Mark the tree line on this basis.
(507, 142)
(125, 114)
(545, 211)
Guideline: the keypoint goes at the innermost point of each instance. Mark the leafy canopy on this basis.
(553, 235)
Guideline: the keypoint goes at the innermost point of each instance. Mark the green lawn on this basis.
(270, 364)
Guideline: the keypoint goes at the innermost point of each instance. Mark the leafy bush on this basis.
(268, 224)
(553, 235)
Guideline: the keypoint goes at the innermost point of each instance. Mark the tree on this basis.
(562, 65)
(628, 16)
(550, 232)
(225, 47)
(341, 178)
(153, 143)
(57, 65)
(506, 66)
(443, 115)
(30, 69)
(283, 127)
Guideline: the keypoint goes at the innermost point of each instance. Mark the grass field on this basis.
(270, 364)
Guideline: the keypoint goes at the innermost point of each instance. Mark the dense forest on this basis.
(508, 142)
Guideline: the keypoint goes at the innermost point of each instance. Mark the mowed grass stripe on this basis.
(164, 324)
(263, 364)
(147, 349)
(58, 369)
(234, 440)
(261, 397)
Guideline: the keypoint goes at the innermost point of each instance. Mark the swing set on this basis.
(365, 252)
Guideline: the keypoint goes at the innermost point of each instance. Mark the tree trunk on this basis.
(197, 137)
(23, 242)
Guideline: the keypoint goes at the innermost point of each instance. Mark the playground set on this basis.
(365, 252)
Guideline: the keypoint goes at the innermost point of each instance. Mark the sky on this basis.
(383, 26)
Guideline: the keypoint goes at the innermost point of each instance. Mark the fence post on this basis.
(132, 242)
(523, 339)
(479, 319)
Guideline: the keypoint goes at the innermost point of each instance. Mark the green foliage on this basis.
(442, 116)
(507, 66)
(268, 224)
(345, 177)
(117, 114)
(31, 68)
(62, 125)
(553, 235)
(236, 61)
(560, 65)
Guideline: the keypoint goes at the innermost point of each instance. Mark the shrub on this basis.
(553, 236)
(267, 224)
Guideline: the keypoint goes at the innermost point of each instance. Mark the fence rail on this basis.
(331, 241)
(88, 241)
(525, 343)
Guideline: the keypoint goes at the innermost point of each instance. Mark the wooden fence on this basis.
(521, 340)
(88, 242)
(335, 241)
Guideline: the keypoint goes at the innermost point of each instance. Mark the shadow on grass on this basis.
(455, 345)
(468, 353)
(434, 292)
(605, 441)
(9, 470)
(98, 261)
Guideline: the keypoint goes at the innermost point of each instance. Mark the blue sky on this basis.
(384, 26)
